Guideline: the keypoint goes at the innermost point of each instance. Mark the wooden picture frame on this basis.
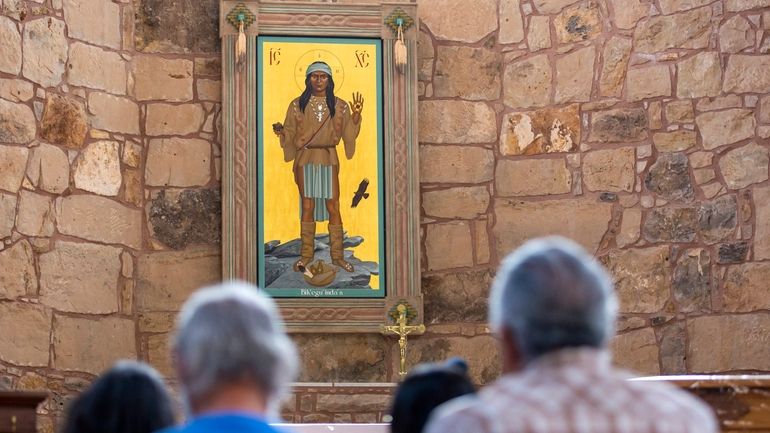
(241, 129)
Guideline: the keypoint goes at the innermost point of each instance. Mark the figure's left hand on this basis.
(356, 106)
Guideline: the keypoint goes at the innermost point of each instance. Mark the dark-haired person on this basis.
(128, 398)
(315, 123)
(425, 388)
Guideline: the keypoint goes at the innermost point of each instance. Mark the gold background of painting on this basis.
(280, 87)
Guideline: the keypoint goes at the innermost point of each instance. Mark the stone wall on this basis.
(641, 128)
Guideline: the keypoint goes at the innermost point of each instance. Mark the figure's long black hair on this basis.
(331, 101)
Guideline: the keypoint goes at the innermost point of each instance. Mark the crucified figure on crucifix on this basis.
(402, 330)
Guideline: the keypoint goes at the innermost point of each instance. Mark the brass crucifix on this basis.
(402, 329)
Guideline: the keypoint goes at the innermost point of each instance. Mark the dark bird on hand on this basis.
(360, 192)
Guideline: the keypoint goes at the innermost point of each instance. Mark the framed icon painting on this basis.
(320, 183)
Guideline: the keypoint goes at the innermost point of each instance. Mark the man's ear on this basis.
(509, 352)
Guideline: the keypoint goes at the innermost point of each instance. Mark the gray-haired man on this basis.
(554, 308)
(233, 359)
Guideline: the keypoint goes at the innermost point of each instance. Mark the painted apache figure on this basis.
(314, 125)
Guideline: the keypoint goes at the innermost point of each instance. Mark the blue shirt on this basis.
(224, 423)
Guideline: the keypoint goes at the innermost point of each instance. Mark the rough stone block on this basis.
(719, 103)
(648, 82)
(456, 164)
(481, 353)
(745, 165)
(629, 12)
(110, 76)
(80, 278)
(511, 23)
(713, 346)
(673, 6)
(92, 345)
(179, 218)
(673, 348)
(692, 283)
(610, 170)
(699, 75)
(64, 121)
(167, 119)
(470, 73)
(18, 277)
(689, 29)
(163, 79)
(552, 6)
(45, 51)
(574, 76)
(97, 169)
(539, 33)
(548, 130)
(112, 113)
(93, 21)
(342, 357)
(637, 351)
(642, 277)
(527, 83)
(578, 23)
(195, 27)
(360, 403)
(745, 287)
(617, 51)
(460, 20)
(13, 162)
(680, 112)
(762, 233)
(456, 122)
(630, 228)
(669, 177)
(747, 74)
(582, 220)
(27, 345)
(449, 245)
(735, 35)
(99, 219)
(10, 46)
(165, 279)
(178, 162)
(7, 214)
(620, 125)
(670, 225)
(159, 354)
(457, 297)
(717, 219)
(532, 177)
(461, 202)
(674, 141)
(49, 168)
(36, 216)
(16, 90)
(17, 123)
(744, 5)
(209, 90)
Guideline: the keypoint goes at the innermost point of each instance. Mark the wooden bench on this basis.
(17, 411)
(742, 403)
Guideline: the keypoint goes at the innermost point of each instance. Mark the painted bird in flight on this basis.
(360, 192)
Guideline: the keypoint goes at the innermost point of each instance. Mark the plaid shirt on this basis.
(574, 391)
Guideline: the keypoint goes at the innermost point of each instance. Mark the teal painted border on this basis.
(326, 292)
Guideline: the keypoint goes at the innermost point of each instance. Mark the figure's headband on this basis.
(318, 66)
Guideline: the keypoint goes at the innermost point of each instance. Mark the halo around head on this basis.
(310, 57)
